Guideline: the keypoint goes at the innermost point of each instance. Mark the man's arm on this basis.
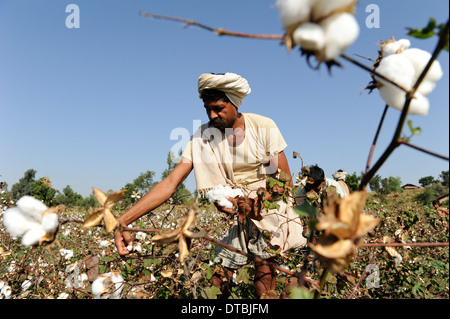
(160, 193)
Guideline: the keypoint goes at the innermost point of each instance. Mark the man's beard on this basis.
(219, 124)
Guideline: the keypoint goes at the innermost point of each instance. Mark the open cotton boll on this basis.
(32, 207)
(32, 236)
(309, 36)
(341, 30)
(398, 69)
(396, 98)
(16, 223)
(293, 11)
(419, 59)
(50, 222)
(419, 105)
(108, 285)
(396, 47)
(322, 8)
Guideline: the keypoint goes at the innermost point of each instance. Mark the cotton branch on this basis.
(218, 31)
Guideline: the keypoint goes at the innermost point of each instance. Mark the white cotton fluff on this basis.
(310, 36)
(50, 222)
(398, 69)
(294, 11)
(26, 220)
(396, 47)
(16, 223)
(32, 207)
(33, 236)
(341, 30)
(108, 286)
(404, 68)
(220, 194)
(322, 8)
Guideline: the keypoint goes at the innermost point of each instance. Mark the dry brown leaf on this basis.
(181, 233)
(105, 212)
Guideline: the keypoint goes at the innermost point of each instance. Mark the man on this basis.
(340, 176)
(240, 150)
(315, 182)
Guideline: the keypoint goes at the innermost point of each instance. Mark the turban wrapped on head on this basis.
(234, 86)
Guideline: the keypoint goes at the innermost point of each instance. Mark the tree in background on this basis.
(353, 181)
(375, 183)
(68, 197)
(444, 178)
(390, 185)
(23, 186)
(43, 190)
(182, 194)
(427, 180)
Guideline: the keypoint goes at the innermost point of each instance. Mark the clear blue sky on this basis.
(95, 106)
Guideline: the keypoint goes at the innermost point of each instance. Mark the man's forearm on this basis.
(160, 193)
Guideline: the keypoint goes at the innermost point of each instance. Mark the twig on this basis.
(405, 244)
(423, 150)
(218, 31)
(361, 279)
(369, 160)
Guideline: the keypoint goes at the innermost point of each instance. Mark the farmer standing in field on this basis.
(240, 150)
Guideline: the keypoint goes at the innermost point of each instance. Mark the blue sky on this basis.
(95, 106)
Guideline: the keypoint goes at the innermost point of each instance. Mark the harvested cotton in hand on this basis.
(220, 194)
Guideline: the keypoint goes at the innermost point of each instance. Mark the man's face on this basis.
(221, 114)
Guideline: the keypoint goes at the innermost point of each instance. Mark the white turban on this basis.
(234, 86)
(340, 175)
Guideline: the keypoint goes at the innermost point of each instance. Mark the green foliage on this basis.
(430, 193)
(444, 178)
(68, 197)
(353, 181)
(426, 181)
(43, 191)
(23, 186)
(430, 30)
(182, 195)
(375, 183)
(390, 185)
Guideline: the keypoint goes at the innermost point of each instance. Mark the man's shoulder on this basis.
(259, 120)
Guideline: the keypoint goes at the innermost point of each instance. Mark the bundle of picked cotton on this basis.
(220, 194)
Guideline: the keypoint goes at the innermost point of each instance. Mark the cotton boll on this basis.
(293, 11)
(16, 223)
(341, 30)
(220, 194)
(419, 105)
(426, 87)
(50, 222)
(108, 285)
(420, 58)
(32, 207)
(32, 236)
(322, 8)
(396, 47)
(398, 69)
(392, 96)
(310, 36)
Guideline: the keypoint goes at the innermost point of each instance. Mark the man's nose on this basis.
(213, 115)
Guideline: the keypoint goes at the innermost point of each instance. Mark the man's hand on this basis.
(122, 239)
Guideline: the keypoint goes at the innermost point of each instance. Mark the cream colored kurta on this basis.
(244, 166)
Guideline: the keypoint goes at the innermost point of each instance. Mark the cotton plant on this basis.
(321, 28)
(108, 286)
(33, 221)
(5, 290)
(403, 65)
